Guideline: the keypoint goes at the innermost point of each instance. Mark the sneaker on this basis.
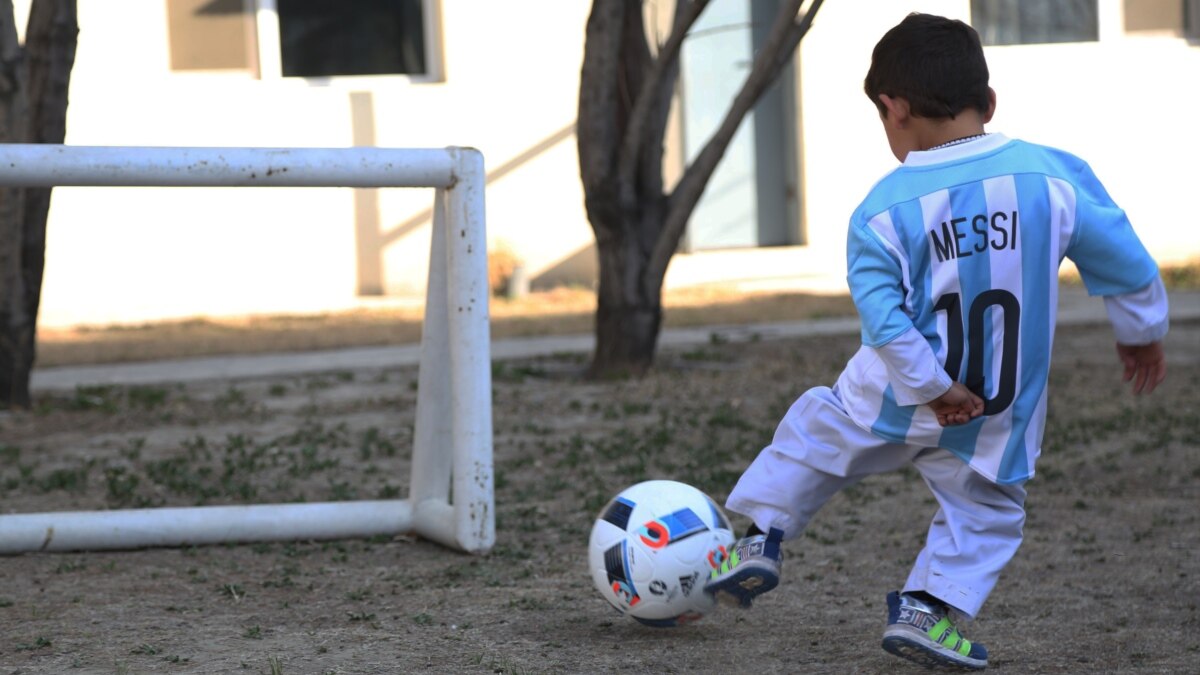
(751, 569)
(923, 633)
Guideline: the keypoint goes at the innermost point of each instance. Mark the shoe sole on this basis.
(746, 582)
(909, 648)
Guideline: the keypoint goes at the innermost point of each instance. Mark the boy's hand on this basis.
(1145, 365)
(957, 406)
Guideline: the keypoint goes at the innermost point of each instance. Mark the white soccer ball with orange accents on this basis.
(652, 548)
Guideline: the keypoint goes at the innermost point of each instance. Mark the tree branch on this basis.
(50, 42)
(597, 135)
(651, 95)
(785, 35)
(12, 59)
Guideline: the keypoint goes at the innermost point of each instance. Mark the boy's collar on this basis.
(957, 151)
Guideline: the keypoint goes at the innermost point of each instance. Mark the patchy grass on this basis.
(1111, 516)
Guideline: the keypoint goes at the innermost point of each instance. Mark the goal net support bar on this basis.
(451, 495)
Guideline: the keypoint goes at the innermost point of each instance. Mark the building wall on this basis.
(139, 254)
(1125, 104)
(510, 89)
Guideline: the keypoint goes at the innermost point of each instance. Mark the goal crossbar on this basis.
(451, 495)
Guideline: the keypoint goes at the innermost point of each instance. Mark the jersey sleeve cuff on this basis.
(914, 372)
(1141, 317)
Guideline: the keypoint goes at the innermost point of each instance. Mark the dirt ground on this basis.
(1108, 579)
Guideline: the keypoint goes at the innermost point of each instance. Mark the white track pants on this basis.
(818, 450)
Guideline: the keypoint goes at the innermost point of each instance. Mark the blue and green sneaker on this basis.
(751, 569)
(923, 633)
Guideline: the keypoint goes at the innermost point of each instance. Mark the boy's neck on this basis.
(932, 133)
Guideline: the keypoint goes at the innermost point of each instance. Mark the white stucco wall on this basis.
(511, 84)
(137, 254)
(1128, 107)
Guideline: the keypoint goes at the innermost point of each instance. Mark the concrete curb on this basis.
(1074, 308)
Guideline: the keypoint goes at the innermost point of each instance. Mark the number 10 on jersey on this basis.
(972, 333)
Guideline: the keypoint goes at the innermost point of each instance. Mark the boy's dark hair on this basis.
(935, 63)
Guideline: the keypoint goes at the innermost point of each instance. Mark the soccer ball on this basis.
(652, 548)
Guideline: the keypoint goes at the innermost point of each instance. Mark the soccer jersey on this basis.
(953, 264)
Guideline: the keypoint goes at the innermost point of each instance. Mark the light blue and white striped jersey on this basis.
(961, 246)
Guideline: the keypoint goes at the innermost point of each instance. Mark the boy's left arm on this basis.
(1145, 366)
(917, 377)
(1113, 263)
(1140, 321)
(958, 405)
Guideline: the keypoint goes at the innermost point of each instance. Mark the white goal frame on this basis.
(451, 498)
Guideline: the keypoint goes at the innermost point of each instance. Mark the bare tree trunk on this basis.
(628, 313)
(14, 115)
(624, 101)
(33, 109)
(625, 96)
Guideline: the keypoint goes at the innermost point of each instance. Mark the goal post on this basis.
(451, 497)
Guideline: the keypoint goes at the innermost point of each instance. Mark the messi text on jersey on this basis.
(961, 237)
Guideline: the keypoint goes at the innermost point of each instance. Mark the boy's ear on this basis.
(987, 117)
(898, 111)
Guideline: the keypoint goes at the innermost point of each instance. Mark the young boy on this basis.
(953, 264)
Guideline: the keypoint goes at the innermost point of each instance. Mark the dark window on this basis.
(1021, 22)
(319, 38)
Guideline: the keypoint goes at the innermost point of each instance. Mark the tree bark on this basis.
(14, 323)
(33, 106)
(625, 96)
